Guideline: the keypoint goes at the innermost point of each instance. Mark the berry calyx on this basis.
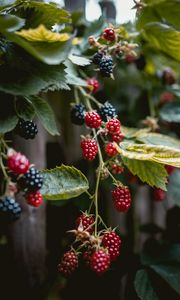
(10, 210)
(78, 114)
(113, 126)
(97, 58)
(159, 195)
(100, 261)
(85, 222)
(93, 119)
(106, 111)
(117, 137)
(35, 199)
(109, 34)
(31, 181)
(112, 242)
(106, 66)
(117, 169)
(17, 163)
(26, 129)
(121, 198)
(111, 150)
(89, 148)
(69, 263)
(93, 85)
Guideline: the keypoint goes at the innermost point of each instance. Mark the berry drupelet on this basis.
(89, 148)
(68, 264)
(106, 66)
(112, 242)
(106, 111)
(78, 114)
(26, 129)
(92, 119)
(121, 198)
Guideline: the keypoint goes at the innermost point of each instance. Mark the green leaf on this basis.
(45, 114)
(63, 183)
(24, 109)
(152, 173)
(10, 23)
(158, 139)
(8, 118)
(170, 273)
(79, 60)
(143, 286)
(173, 193)
(72, 75)
(170, 113)
(164, 38)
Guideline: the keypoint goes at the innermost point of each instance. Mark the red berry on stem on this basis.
(117, 137)
(129, 58)
(100, 261)
(93, 85)
(121, 198)
(170, 169)
(18, 163)
(89, 148)
(112, 242)
(159, 195)
(93, 119)
(111, 150)
(113, 126)
(109, 34)
(117, 169)
(86, 221)
(34, 199)
(69, 263)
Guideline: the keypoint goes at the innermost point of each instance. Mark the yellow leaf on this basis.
(41, 34)
(134, 154)
(76, 41)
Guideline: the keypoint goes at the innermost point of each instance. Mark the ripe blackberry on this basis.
(26, 129)
(31, 181)
(112, 242)
(93, 85)
(100, 261)
(109, 34)
(113, 126)
(89, 148)
(17, 163)
(35, 199)
(111, 150)
(85, 221)
(69, 263)
(117, 137)
(92, 119)
(10, 210)
(106, 66)
(121, 198)
(97, 58)
(159, 195)
(107, 111)
(78, 114)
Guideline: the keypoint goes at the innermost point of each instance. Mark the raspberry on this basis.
(34, 199)
(112, 242)
(92, 119)
(113, 126)
(89, 148)
(121, 198)
(111, 150)
(116, 169)
(78, 114)
(10, 210)
(166, 97)
(107, 111)
(168, 76)
(93, 85)
(86, 222)
(31, 181)
(117, 137)
(100, 261)
(26, 129)
(170, 169)
(109, 34)
(69, 263)
(106, 66)
(97, 58)
(17, 163)
(159, 195)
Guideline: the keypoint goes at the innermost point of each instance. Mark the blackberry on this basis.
(106, 66)
(107, 111)
(26, 129)
(10, 210)
(78, 114)
(31, 181)
(97, 58)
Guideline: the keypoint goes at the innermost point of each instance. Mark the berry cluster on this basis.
(98, 250)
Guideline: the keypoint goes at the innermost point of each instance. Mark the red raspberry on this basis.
(111, 150)
(18, 163)
(159, 195)
(117, 137)
(100, 261)
(117, 169)
(69, 263)
(34, 199)
(170, 169)
(121, 198)
(109, 34)
(113, 126)
(166, 97)
(86, 221)
(112, 242)
(93, 119)
(89, 148)
(93, 85)
(129, 58)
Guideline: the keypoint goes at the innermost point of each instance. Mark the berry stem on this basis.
(76, 96)
(90, 97)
